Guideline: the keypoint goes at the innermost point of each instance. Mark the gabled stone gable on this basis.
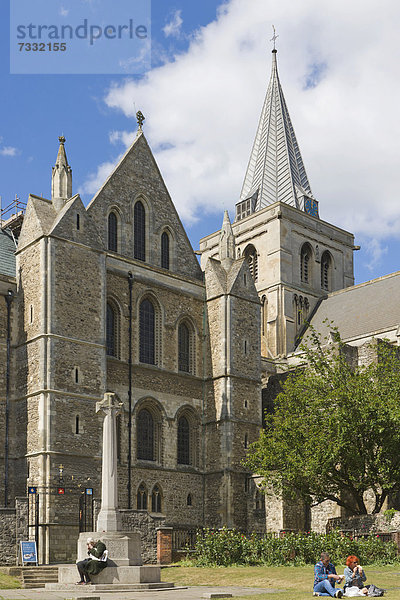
(74, 224)
(215, 276)
(38, 219)
(137, 177)
(240, 281)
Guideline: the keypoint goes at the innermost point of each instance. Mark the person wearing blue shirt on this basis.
(325, 577)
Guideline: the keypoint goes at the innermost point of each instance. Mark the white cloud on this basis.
(338, 65)
(96, 180)
(124, 137)
(173, 27)
(9, 151)
(375, 251)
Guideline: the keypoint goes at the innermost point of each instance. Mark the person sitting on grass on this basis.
(325, 577)
(354, 575)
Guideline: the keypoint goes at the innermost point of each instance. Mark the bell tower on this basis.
(294, 256)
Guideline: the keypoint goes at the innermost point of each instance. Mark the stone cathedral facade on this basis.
(111, 298)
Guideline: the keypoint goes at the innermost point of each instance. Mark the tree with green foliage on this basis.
(335, 430)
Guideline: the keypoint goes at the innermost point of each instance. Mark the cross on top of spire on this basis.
(274, 37)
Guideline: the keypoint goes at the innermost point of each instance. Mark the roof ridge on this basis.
(362, 284)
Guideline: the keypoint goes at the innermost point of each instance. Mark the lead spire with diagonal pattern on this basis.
(275, 171)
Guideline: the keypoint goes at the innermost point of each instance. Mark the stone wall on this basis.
(8, 546)
(147, 525)
(360, 525)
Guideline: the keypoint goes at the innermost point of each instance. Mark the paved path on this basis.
(187, 593)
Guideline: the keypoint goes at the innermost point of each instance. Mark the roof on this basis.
(362, 310)
(275, 170)
(7, 254)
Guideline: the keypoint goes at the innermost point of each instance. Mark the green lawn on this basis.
(281, 578)
(8, 583)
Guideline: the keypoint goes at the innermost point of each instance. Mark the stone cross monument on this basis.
(125, 570)
(109, 518)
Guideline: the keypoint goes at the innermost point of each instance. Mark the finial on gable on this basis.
(140, 118)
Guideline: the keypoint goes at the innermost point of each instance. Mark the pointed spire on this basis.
(275, 170)
(226, 242)
(61, 178)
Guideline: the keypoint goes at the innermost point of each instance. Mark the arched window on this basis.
(112, 330)
(165, 250)
(147, 332)
(301, 309)
(139, 231)
(145, 435)
(183, 348)
(326, 271)
(183, 441)
(259, 502)
(156, 499)
(252, 259)
(305, 257)
(112, 232)
(142, 497)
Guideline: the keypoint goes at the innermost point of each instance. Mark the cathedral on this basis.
(111, 297)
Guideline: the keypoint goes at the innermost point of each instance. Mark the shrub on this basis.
(226, 547)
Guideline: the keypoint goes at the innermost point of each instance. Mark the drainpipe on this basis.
(129, 485)
(9, 298)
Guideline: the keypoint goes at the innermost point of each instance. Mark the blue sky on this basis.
(202, 99)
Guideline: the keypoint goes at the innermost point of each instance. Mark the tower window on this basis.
(245, 208)
(305, 257)
(189, 501)
(78, 221)
(112, 232)
(301, 307)
(165, 250)
(139, 242)
(326, 271)
(77, 425)
(252, 260)
(76, 375)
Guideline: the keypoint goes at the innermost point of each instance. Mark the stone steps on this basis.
(37, 577)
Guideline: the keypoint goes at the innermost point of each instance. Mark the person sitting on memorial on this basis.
(94, 564)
